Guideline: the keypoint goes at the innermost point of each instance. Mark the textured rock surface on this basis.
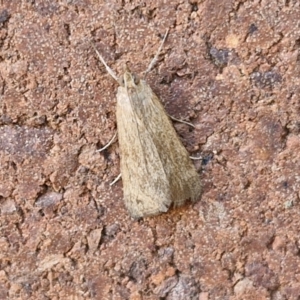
(231, 68)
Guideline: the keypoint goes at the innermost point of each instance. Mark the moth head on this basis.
(130, 79)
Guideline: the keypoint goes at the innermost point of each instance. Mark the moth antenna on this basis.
(108, 69)
(154, 60)
(108, 144)
(116, 179)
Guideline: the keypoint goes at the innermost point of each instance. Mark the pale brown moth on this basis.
(155, 167)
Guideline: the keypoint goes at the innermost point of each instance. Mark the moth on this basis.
(155, 167)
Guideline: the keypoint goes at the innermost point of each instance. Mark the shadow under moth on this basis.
(156, 169)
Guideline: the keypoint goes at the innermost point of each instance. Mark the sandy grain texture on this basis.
(231, 69)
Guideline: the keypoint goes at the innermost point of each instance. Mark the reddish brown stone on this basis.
(231, 69)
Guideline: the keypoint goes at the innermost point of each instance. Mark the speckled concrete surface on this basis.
(229, 67)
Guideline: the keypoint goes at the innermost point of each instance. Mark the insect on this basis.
(155, 167)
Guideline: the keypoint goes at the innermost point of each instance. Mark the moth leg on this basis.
(181, 121)
(103, 148)
(190, 124)
(196, 158)
(116, 179)
(154, 60)
(108, 144)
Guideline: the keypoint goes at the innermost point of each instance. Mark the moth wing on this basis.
(155, 166)
(184, 181)
(145, 185)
